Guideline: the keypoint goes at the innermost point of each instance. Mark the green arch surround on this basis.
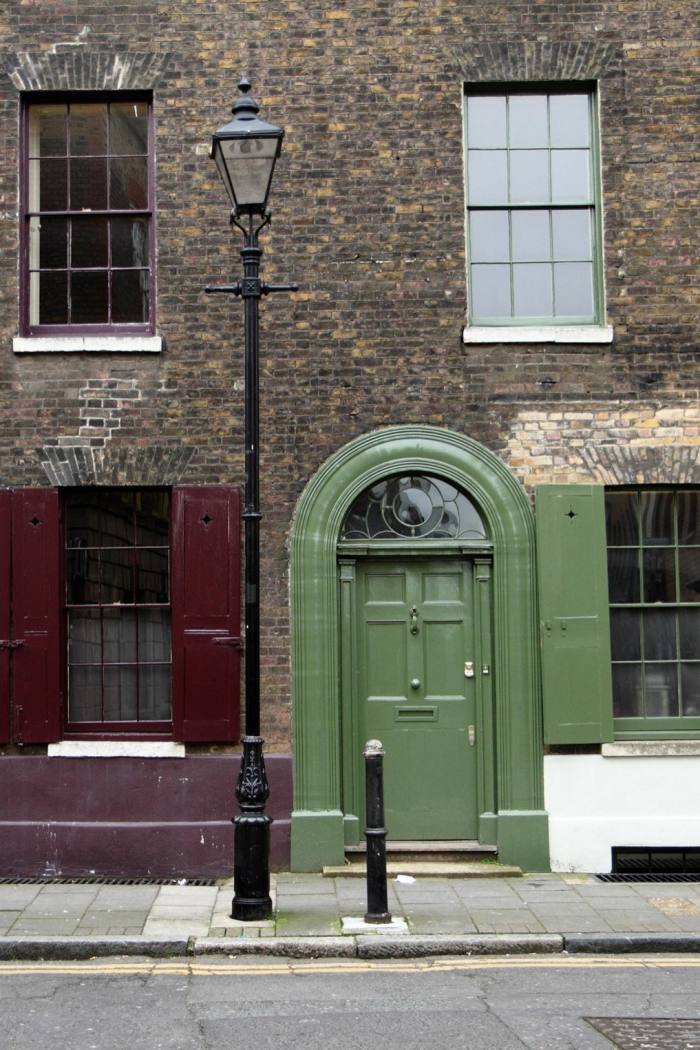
(317, 818)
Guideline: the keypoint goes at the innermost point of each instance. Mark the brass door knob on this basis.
(415, 683)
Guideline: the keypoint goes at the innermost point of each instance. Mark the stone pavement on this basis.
(539, 912)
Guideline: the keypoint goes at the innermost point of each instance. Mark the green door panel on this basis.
(415, 633)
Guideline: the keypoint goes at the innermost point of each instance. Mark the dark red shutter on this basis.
(206, 556)
(5, 553)
(36, 616)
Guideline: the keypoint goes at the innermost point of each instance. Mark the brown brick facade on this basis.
(368, 206)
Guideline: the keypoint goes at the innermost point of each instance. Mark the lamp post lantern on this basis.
(245, 151)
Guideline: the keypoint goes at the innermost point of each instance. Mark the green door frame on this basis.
(317, 817)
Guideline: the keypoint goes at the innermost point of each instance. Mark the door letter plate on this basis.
(469, 669)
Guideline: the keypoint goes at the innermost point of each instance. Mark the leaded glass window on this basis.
(414, 506)
(654, 587)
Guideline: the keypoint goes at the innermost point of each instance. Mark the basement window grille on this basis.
(98, 880)
(645, 864)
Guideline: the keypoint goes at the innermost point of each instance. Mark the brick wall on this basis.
(368, 218)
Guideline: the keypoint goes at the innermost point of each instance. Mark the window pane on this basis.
(89, 242)
(128, 128)
(129, 182)
(88, 184)
(120, 696)
(488, 177)
(84, 637)
(621, 518)
(152, 516)
(82, 574)
(689, 624)
(486, 122)
(48, 185)
(625, 634)
(119, 632)
(660, 634)
(527, 121)
(532, 290)
(491, 291)
(531, 241)
(88, 129)
(154, 635)
(88, 298)
(688, 504)
(573, 289)
(51, 291)
(117, 576)
(154, 693)
(689, 574)
(129, 242)
(571, 235)
(657, 518)
(627, 691)
(53, 242)
(152, 576)
(85, 694)
(47, 131)
(529, 176)
(488, 236)
(116, 517)
(130, 296)
(660, 690)
(623, 575)
(571, 177)
(569, 120)
(690, 686)
(659, 575)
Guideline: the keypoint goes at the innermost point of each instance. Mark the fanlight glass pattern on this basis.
(413, 506)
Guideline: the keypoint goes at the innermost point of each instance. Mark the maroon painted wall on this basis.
(129, 816)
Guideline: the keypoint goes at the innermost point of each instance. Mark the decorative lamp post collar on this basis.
(245, 151)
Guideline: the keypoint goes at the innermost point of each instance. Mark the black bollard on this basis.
(375, 834)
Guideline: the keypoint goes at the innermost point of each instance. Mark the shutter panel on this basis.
(206, 613)
(575, 626)
(5, 552)
(36, 613)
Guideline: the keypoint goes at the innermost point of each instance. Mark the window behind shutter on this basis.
(206, 613)
(5, 563)
(575, 631)
(36, 586)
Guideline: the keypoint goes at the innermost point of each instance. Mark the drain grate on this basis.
(98, 880)
(649, 1033)
(654, 864)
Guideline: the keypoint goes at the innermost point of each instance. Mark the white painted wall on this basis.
(596, 802)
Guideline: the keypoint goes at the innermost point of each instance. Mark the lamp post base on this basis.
(251, 843)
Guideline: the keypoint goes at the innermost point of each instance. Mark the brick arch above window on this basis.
(643, 465)
(537, 60)
(81, 70)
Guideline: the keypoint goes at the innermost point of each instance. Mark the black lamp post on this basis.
(245, 151)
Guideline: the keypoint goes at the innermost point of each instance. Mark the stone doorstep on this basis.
(427, 869)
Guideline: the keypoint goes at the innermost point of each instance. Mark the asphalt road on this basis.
(258, 1003)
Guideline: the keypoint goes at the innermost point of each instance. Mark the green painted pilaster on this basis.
(523, 839)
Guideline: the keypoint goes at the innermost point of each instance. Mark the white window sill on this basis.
(113, 344)
(651, 749)
(534, 334)
(116, 749)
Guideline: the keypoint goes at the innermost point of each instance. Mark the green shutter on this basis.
(574, 619)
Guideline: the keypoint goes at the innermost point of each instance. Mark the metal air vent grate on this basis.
(98, 880)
